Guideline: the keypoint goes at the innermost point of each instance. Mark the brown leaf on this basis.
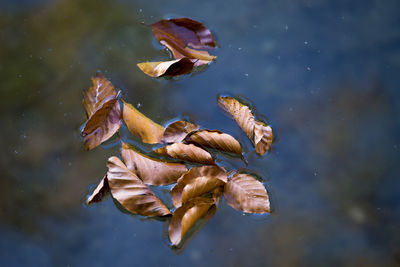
(258, 132)
(103, 112)
(215, 139)
(186, 216)
(141, 126)
(131, 192)
(263, 137)
(167, 68)
(177, 131)
(151, 171)
(99, 192)
(185, 38)
(196, 182)
(245, 193)
(186, 152)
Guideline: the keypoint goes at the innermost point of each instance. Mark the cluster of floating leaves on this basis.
(184, 153)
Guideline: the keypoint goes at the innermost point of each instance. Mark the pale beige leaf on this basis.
(186, 216)
(215, 139)
(239, 112)
(103, 112)
(150, 170)
(245, 193)
(99, 192)
(177, 131)
(186, 152)
(167, 68)
(196, 182)
(131, 192)
(263, 137)
(141, 126)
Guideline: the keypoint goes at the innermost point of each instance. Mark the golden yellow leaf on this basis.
(141, 126)
(99, 192)
(186, 216)
(167, 68)
(131, 192)
(150, 170)
(186, 152)
(103, 112)
(245, 193)
(177, 131)
(196, 182)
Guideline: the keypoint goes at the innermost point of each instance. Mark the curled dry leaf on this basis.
(177, 131)
(150, 170)
(245, 193)
(99, 192)
(258, 132)
(215, 139)
(185, 38)
(186, 216)
(131, 192)
(196, 182)
(167, 68)
(141, 126)
(186, 152)
(263, 137)
(103, 111)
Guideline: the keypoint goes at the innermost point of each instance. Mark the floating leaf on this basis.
(99, 192)
(186, 216)
(185, 38)
(141, 126)
(131, 192)
(103, 112)
(215, 139)
(186, 152)
(258, 132)
(245, 193)
(177, 131)
(151, 171)
(196, 182)
(167, 68)
(263, 137)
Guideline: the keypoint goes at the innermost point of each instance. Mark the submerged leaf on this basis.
(141, 126)
(186, 152)
(196, 182)
(258, 132)
(177, 131)
(186, 216)
(215, 139)
(151, 171)
(167, 68)
(245, 193)
(185, 38)
(131, 192)
(99, 192)
(103, 112)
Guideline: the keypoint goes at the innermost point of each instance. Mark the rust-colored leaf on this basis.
(103, 112)
(245, 193)
(196, 182)
(258, 132)
(131, 192)
(150, 170)
(186, 216)
(185, 38)
(263, 137)
(141, 126)
(167, 68)
(215, 139)
(186, 152)
(99, 192)
(177, 131)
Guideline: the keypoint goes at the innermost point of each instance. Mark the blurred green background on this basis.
(325, 73)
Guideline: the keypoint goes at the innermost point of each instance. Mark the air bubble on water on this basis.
(305, 42)
(239, 48)
(140, 10)
(246, 74)
(308, 68)
(138, 105)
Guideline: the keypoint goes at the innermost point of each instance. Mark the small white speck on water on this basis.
(305, 42)
(246, 74)
(239, 48)
(308, 68)
(315, 173)
(140, 10)
(19, 75)
(286, 27)
(138, 105)
(16, 152)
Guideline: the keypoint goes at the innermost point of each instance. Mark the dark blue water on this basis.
(326, 75)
